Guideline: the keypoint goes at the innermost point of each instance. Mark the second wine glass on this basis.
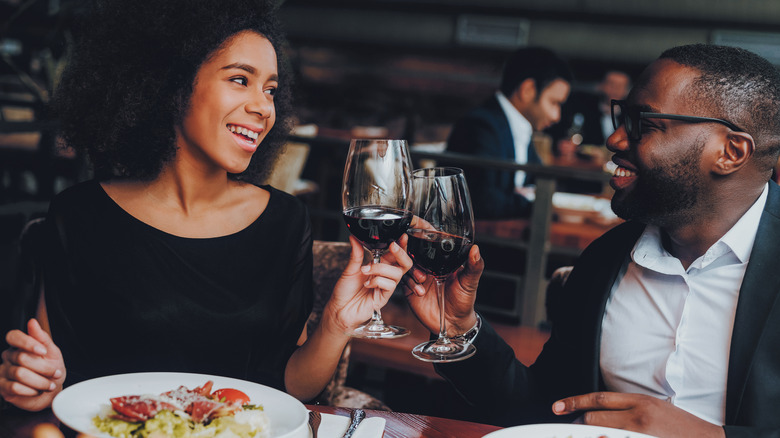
(375, 195)
(441, 236)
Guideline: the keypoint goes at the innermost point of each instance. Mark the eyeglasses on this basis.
(631, 118)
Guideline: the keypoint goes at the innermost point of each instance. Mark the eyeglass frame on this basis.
(635, 132)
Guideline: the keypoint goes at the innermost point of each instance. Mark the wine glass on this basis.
(440, 238)
(375, 198)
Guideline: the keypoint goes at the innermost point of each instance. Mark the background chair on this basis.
(330, 259)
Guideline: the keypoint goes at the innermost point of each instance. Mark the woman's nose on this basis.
(262, 105)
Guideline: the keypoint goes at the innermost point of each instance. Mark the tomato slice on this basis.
(230, 395)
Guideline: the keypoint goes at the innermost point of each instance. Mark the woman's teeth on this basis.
(623, 172)
(243, 131)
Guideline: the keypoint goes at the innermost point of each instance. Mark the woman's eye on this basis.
(240, 80)
(271, 91)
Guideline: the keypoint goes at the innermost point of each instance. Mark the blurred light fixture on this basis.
(487, 31)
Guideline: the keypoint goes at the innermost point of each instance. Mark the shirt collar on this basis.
(515, 118)
(650, 253)
(741, 236)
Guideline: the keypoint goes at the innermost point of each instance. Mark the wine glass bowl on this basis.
(375, 195)
(441, 235)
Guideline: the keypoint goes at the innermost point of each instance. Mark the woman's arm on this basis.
(358, 292)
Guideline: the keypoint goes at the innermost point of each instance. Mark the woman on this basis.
(171, 259)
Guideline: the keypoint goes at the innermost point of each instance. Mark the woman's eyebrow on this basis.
(241, 66)
(249, 69)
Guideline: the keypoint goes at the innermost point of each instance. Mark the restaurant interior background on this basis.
(390, 68)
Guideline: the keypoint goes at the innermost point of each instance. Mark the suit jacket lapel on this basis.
(757, 296)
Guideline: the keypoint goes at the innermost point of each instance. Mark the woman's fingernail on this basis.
(558, 407)
(365, 269)
(419, 290)
(39, 350)
(366, 283)
(57, 374)
(52, 386)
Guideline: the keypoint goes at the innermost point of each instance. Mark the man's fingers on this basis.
(594, 401)
(472, 270)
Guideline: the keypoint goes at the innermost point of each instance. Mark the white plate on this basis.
(563, 431)
(77, 405)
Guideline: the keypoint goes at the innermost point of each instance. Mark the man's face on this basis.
(661, 177)
(544, 109)
(614, 86)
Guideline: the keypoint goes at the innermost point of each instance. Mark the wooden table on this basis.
(397, 353)
(19, 424)
(572, 235)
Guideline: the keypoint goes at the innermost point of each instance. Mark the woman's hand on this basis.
(460, 292)
(32, 371)
(364, 288)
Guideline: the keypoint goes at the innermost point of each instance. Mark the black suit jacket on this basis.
(485, 132)
(506, 392)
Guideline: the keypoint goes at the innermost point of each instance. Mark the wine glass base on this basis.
(371, 331)
(434, 352)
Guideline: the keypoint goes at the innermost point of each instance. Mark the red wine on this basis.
(376, 226)
(437, 253)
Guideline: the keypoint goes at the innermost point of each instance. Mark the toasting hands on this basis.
(363, 288)
(460, 293)
(638, 413)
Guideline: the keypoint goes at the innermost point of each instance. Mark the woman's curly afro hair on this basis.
(129, 81)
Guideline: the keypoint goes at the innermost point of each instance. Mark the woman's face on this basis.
(232, 105)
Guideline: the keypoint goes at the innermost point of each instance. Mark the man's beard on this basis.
(664, 194)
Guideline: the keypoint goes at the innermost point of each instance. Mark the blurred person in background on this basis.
(534, 84)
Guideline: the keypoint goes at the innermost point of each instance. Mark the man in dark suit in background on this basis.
(534, 85)
(669, 324)
(588, 114)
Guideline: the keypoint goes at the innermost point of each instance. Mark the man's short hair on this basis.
(537, 63)
(736, 85)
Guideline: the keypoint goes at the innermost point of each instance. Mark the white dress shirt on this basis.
(521, 134)
(667, 330)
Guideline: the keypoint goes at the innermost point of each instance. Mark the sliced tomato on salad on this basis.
(231, 396)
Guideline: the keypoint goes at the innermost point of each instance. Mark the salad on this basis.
(185, 413)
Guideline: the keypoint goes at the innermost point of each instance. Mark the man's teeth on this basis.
(622, 171)
(243, 131)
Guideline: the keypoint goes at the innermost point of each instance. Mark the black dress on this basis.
(123, 296)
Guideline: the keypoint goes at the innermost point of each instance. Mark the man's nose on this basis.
(618, 141)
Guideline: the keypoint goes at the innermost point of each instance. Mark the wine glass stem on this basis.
(443, 339)
(376, 317)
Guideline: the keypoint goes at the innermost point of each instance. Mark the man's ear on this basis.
(524, 93)
(737, 149)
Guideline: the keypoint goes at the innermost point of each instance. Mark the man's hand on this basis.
(460, 293)
(638, 413)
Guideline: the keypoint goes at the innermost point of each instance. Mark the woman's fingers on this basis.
(36, 363)
(22, 341)
(29, 379)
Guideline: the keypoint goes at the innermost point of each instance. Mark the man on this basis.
(669, 323)
(534, 85)
(590, 113)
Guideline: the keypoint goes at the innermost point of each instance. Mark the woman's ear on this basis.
(737, 149)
